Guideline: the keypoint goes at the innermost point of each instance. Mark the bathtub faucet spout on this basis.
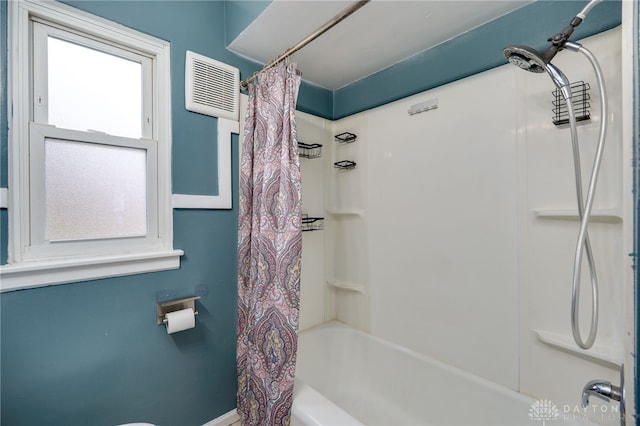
(605, 390)
(600, 389)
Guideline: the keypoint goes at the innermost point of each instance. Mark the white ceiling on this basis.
(380, 34)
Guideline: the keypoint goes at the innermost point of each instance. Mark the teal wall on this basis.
(91, 353)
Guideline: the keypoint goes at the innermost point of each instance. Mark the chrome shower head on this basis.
(531, 60)
(528, 58)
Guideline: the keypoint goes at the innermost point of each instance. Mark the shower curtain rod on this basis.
(302, 43)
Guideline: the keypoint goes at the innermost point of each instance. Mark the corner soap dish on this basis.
(345, 165)
(346, 137)
(309, 150)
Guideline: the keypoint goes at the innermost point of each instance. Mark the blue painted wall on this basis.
(91, 353)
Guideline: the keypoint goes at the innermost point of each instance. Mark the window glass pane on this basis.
(93, 90)
(94, 191)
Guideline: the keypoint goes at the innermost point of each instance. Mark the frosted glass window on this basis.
(93, 90)
(94, 191)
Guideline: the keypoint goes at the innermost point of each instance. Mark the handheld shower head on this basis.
(528, 58)
(524, 57)
(560, 80)
(531, 60)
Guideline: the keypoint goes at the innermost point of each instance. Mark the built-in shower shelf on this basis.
(347, 286)
(597, 215)
(598, 353)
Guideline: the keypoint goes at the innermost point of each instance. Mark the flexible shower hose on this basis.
(584, 209)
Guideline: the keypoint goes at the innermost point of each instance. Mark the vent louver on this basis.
(211, 87)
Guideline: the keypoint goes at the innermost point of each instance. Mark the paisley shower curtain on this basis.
(269, 250)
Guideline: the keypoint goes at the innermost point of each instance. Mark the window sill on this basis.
(42, 273)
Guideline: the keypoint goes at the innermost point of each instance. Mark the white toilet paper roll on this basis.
(180, 320)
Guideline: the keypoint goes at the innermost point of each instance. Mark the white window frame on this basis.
(42, 30)
(40, 247)
(41, 264)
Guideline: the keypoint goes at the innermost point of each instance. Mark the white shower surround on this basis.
(459, 216)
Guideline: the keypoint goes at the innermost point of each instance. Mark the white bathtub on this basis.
(347, 377)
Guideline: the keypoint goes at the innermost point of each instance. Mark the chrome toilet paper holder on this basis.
(175, 305)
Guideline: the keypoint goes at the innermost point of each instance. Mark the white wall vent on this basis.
(211, 87)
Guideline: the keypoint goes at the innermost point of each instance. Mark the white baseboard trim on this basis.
(224, 420)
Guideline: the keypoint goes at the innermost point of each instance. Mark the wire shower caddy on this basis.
(579, 100)
(312, 223)
(309, 150)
